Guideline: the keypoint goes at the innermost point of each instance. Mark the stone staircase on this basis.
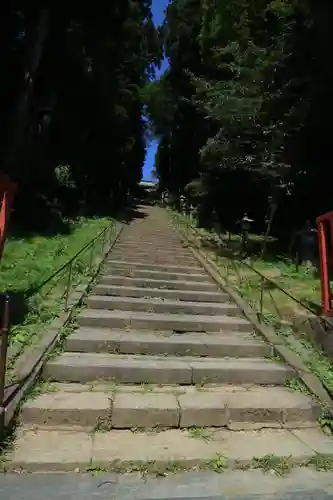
(163, 372)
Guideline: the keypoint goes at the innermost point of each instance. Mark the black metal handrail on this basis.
(274, 284)
(106, 234)
(264, 279)
(35, 290)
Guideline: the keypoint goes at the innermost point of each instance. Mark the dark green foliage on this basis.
(72, 130)
(243, 112)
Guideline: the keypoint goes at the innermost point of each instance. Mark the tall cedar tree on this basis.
(72, 129)
(240, 112)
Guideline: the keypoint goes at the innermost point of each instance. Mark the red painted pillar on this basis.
(325, 240)
(325, 286)
(7, 190)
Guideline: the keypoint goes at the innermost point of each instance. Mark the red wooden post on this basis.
(7, 192)
(324, 223)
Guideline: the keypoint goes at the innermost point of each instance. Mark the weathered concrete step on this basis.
(153, 230)
(148, 240)
(154, 321)
(142, 246)
(155, 267)
(134, 233)
(192, 296)
(158, 305)
(191, 344)
(160, 275)
(124, 450)
(154, 283)
(153, 258)
(86, 367)
(162, 251)
(259, 407)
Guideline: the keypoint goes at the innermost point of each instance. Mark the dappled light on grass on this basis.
(283, 296)
(27, 264)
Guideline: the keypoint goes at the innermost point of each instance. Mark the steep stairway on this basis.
(163, 372)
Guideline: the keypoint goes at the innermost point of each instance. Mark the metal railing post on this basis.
(104, 241)
(91, 258)
(68, 285)
(261, 297)
(111, 233)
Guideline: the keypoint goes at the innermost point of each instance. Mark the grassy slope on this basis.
(278, 310)
(26, 263)
(300, 282)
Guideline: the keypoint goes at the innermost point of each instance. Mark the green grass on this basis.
(27, 263)
(280, 465)
(300, 282)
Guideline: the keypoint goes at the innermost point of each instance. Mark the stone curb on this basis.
(204, 485)
(30, 363)
(310, 380)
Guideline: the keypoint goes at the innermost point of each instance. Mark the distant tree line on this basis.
(243, 113)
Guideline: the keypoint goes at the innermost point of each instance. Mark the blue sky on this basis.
(158, 7)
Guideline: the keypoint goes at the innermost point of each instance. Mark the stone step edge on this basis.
(149, 266)
(164, 317)
(205, 285)
(161, 251)
(151, 241)
(152, 258)
(119, 335)
(111, 290)
(151, 252)
(182, 360)
(164, 452)
(232, 335)
(144, 248)
(185, 370)
(136, 342)
(120, 409)
(168, 275)
(110, 299)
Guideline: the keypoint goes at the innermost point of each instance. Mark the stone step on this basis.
(150, 247)
(148, 240)
(153, 258)
(160, 275)
(158, 305)
(159, 452)
(114, 264)
(135, 369)
(166, 251)
(162, 251)
(192, 296)
(154, 321)
(150, 407)
(192, 344)
(114, 279)
(151, 235)
(204, 379)
(153, 231)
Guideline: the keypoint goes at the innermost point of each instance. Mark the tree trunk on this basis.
(21, 119)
